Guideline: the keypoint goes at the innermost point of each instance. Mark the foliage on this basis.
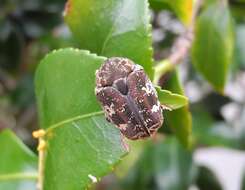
(182, 8)
(81, 135)
(22, 167)
(80, 145)
(113, 28)
(213, 45)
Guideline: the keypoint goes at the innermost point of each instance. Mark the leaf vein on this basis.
(52, 127)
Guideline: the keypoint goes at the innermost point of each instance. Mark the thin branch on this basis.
(183, 43)
(180, 48)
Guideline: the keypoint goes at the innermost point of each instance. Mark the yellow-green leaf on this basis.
(182, 8)
(171, 100)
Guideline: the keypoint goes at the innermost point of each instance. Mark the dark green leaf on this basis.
(243, 181)
(158, 5)
(172, 159)
(207, 132)
(213, 45)
(163, 165)
(171, 100)
(237, 10)
(10, 51)
(136, 148)
(179, 120)
(113, 28)
(206, 179)
(17, 163)
(81, 144)
(141, 176)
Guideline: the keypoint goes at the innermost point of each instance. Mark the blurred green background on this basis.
(29, 29)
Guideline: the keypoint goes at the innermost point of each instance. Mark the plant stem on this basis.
(180, 49)
(41, 156)
(40, 134)
(161, 68)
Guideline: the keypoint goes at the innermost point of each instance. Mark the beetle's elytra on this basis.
(128, 98)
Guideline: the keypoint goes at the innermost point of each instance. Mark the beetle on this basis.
(128, 98)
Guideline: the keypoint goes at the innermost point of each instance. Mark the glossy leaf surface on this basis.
(81, 145)
(113, 28)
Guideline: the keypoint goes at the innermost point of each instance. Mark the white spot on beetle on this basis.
(138, 67)
(121, 109)
(148, 120)
(93, 178)
(148, 88)
(122, 126)
(155, 108)
(110, 110)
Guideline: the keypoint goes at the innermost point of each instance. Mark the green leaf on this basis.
(18, 165)
(182, 8)
(163, 165)
(210, 133)
(171, 100)
(239, 48)
(136, 149)
(243, 181)
(207, 180)
(213, 45)
(172, 159)
(179, 120)
(81, 145)
(113, 28)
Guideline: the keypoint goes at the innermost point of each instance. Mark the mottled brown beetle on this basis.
(128, 98)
